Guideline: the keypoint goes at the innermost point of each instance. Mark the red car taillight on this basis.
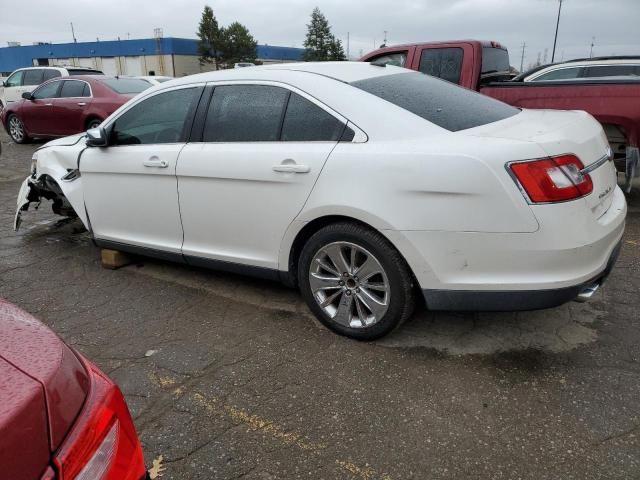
(556, 179)
(103, 444)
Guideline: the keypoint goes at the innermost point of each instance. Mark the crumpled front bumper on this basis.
(22, 202)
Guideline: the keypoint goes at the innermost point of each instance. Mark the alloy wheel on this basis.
(349, 284)
(16, 129)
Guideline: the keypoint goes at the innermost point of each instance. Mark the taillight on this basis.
(556, 179)
(103, 444)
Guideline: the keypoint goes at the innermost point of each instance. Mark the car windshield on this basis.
(443, 103)
(126, 85)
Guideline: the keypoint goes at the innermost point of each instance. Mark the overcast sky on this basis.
(615, 24)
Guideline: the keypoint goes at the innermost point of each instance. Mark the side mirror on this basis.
(97, 137)
(27, 96)
(4, 83)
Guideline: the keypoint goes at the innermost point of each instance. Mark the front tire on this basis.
(355, 282)
(16, 129)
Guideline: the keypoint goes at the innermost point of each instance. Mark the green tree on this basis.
(319, 39)
(336, 52)
(237, 45)
(209, 38)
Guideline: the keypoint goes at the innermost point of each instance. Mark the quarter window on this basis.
(560, 74)
(159, 119)
(445, 63)
(245, 113)
(32, 77)
(306, 122)
(50, 90)
(74, 88)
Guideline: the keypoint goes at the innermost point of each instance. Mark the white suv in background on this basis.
(27, 79)
(586, 68)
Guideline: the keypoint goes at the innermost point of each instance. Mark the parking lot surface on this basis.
(231, 377)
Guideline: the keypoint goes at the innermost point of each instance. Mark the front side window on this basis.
(15, 80)
(32, 77)
(245, 113)
(561, 74)
(50, 73)
(445, 63)
(50, 90)
(306, 122)
(159, 119)
(397, 59)
(442, 103)
(73, 89)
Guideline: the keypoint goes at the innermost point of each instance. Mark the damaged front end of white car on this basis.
(55, 177)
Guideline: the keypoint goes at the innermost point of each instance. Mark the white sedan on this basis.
(365, 186)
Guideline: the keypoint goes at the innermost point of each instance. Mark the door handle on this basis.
(155, 162)
(291, 168)
(82, 104)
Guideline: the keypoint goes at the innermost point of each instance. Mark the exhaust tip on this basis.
(587, 292)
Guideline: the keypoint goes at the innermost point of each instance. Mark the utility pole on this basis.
(384, 42)
(555, 39)
(524, 45)
(348, 50)
(593, 42)
(73, 34)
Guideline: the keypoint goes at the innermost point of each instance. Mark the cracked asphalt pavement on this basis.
(231, 377)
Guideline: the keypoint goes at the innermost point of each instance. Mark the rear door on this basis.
(253, 161)
(68, 109)
(37, 113)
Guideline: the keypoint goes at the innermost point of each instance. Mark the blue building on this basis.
(164, 56)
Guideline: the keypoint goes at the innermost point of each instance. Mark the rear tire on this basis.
(16, 129)
(93, 123)
(355, 282)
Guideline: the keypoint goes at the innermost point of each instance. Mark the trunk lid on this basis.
(559, 133)
(34, 351)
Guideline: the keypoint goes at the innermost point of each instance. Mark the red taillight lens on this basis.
(103, 444)
(553, 179)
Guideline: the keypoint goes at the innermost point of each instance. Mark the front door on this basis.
(37, 113)
(130, 187)
(250, 173)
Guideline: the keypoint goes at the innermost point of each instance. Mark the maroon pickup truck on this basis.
(484, 67)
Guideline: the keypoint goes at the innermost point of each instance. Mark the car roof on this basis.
(346, 72)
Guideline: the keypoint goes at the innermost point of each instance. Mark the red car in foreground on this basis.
(60, 417)
(68, 105)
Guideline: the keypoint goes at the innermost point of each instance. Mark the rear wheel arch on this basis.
(314, 226)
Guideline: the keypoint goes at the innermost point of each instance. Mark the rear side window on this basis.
(32, 77)
(74, 88)
(306, 122)
(245, 113)
(494, 60)
(611, 70)
(49, 74)
(442, 103)
(445, 63)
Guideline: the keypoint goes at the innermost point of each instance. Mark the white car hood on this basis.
(64, 141)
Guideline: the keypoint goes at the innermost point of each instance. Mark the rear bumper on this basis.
(516, 300)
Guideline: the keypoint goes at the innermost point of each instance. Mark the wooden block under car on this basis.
(115, 259)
